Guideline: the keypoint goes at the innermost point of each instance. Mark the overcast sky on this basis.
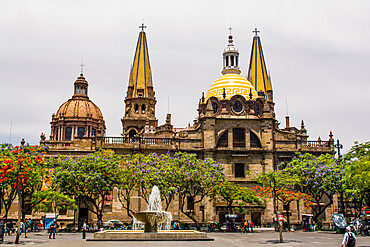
(318, 53)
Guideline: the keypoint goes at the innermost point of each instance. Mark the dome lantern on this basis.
(230, 58)
(80, 87)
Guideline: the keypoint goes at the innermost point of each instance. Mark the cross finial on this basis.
(230, 28)
(142, 27)
(255, 31)
(82, 65)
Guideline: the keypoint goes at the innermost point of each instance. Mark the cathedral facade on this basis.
(236, 126)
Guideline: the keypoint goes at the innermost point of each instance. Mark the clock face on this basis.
(237, 106)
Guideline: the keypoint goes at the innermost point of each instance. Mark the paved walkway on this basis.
(265, 239)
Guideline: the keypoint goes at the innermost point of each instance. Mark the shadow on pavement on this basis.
(278, 242)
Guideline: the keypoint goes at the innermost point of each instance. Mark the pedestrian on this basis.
(349, 239)
(52, 230)
(84, 229)
(9, 228)
(26, 227)
(252, 225)
(21, 228)
(245, 226)
(248, 225)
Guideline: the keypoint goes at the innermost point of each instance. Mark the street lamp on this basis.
(19, 199)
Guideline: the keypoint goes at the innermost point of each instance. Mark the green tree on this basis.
(160, 170)
(89, 178)
(273, 183)
(234, 194)
(320, 177)
(50, 200)
(357, 174)
(196, 180)
(129, 180)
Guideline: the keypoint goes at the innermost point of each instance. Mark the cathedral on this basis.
(236, 126)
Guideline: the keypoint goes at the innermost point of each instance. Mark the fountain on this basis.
(154, 216)
(154, 220)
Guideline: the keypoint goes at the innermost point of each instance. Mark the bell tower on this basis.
(140, 100)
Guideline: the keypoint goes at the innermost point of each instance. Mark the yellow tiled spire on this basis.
(141, 75)
(257, 73)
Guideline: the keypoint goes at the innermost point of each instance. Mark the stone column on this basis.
(248, 139)
(230, 138)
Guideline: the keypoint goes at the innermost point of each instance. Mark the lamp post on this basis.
(339, 146)
(19, 199)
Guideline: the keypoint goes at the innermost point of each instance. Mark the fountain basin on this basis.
(151, 219)
(128, 235)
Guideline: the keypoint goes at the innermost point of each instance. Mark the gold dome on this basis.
(234, 84)
(79, 107)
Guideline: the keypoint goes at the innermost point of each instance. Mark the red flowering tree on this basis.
(22, 167)
(278, 186)
(285, 195)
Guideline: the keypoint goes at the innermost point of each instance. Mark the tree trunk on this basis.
(190, 214)
(229, 207)
(280, 228)
(342, 209)
(288, 216)
(19, 212)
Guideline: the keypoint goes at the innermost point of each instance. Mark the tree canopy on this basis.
(88, 178)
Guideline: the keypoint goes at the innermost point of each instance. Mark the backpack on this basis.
(351, 240)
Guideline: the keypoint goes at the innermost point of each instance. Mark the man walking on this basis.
(349, 239)
(52, 230)
(84, 229)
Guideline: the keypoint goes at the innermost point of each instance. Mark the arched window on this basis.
(131, 135)
(68, 134)
(215, 107)
(93, 132)
(238, 138)
(232, 60)
(236, 61)
(227, 61)
(136, 108)
(223, 140)
(143, 108)
(81, 132)
(255, 141)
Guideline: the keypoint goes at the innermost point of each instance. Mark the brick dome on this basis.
(78, 117)
(79, 108)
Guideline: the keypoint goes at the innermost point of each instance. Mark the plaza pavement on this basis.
(262, 238)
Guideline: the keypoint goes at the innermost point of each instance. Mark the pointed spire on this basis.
(257, 73)
(141, 74)
(231, 58)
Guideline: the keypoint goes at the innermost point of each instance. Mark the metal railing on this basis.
(138, 140)
(315, 144)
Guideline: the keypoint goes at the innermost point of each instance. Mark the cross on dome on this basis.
(82, 65)
(230, 28)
